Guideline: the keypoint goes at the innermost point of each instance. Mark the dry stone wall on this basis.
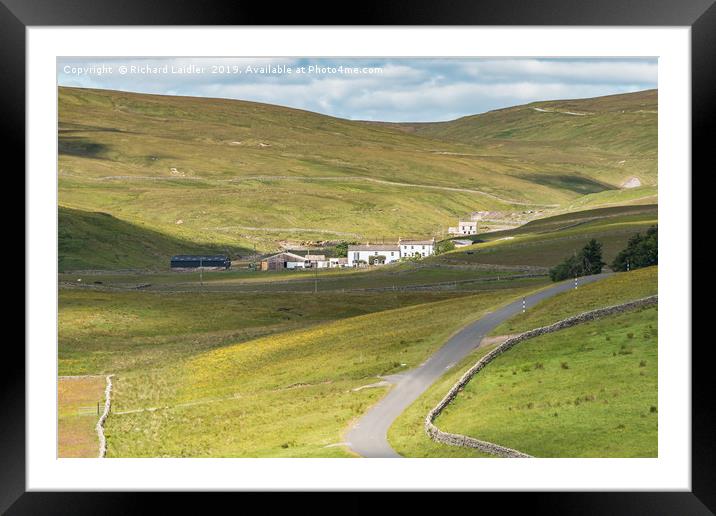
(495, 449)
(103, 417)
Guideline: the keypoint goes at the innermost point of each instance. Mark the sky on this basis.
(386, 89)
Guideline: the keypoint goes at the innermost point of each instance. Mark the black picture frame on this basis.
(700, 15)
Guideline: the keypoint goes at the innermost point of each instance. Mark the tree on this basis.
(567, 269)
(641, 251)
(587, 261)
(444, 246)
(591, 256)
(342, 248)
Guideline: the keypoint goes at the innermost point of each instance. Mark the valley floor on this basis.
(242, 363)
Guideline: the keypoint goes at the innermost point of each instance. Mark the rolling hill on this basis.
(96, 240)
(605, 138)
(215, 173)
(546, 242)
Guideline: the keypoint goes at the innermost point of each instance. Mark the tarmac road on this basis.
(368, 436)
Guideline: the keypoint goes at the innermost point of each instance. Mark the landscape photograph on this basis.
(357, 257)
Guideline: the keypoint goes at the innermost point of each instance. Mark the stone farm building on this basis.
(464, 227)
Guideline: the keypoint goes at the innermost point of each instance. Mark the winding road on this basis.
(368, 435)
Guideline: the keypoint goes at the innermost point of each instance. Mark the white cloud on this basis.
(404, 90)
(612, 71)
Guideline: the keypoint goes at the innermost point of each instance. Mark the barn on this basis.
(190, 261)
(283, 260)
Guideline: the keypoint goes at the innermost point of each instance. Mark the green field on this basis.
(148, 176)
(393, 277)
(407, 435)
(587, 391)
(289, 393)
(107, 332)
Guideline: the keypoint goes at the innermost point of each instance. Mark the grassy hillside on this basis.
(618, 132)
(588, 391)
(95, 240)
(290, 393)
(221, 173)
(588, 352)
(116, 331)
(619, 288)
(546, 242)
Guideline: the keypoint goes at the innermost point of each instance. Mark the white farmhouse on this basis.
(372, 253)
(464, 227)
(421, 248)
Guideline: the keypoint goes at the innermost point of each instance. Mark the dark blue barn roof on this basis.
(196, 258)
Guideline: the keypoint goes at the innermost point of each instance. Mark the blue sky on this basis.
(389, 89)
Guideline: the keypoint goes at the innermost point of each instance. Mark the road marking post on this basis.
(524, 305)
(576, 284)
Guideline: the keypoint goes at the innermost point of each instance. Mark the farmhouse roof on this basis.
(417, 242)
(316, 257)
(294, 257)
(374, 247)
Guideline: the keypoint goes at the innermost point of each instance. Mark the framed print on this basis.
(416, 252)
